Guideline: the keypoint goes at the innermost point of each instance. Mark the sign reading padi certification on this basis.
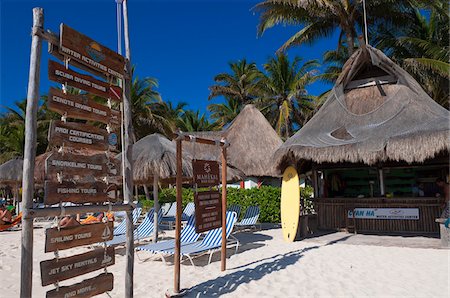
(58, 73)
(85, 50)
(76, 236)
(80, 107)
(208, 211)
(87, 288)
(386, 213)
(206, 172)
(68, 191)
(64, 268)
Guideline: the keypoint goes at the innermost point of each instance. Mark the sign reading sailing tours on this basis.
(68, 191)
(60, 269)
(206, 172)
(208, 211)
(59, 73)
(385, 213)
(87, 288)
(80, 107)
(77, 236)
(85, 50)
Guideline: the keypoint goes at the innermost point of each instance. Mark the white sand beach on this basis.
(335, 265)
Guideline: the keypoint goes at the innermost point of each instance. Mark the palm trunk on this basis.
(350, 42)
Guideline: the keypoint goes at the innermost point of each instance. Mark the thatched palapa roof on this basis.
(375, 112)
(11, 171)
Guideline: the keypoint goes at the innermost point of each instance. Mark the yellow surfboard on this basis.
(290, 204)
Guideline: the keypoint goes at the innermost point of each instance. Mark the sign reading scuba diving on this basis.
(385, 213)
(206, 172)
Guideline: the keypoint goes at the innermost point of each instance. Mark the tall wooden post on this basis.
(177, 260)
(223, 255)
(156, 206)
(128, 158)
(26, 268)
(381, 177)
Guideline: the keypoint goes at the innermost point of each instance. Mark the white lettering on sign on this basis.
(79, 136)
(63, 101)
(76, 165)
(385, 213)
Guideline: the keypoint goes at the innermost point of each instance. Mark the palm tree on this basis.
(224, 113)
(286, 102)
(167, 115)
(194, 121)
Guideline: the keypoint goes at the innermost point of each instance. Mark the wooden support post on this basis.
(26, 268)
(128, 160)
(223, 255)
(315, 181)
(177, 260)
(381, 177)
(156, 206)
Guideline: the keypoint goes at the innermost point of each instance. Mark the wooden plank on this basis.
(77, 236)
(208, 211)
(78, 193)
(64, 268)
(371, 82)
(206, 172)
(70, 164)
(87, 288)
(59, 73)
(81, 136)
(85, 50)
(81, 107)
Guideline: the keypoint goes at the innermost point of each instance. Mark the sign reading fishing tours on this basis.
(87, 51)
(60, 269)
(206, 172)
(79, 192)
(208, 210)
(81, 107)
(87, 288)
(65, 238)
(59, 73)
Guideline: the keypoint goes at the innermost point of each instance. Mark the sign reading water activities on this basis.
(59, 73)
(68, 191)
(64, 268)
(206, 172)
(76, 236)
(385, 213)
(87, 288)
(208, 210)
(81, 107)
(85, 50)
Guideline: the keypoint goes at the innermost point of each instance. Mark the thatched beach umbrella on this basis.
(11, 174)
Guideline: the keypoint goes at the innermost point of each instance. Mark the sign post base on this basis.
(171, 294)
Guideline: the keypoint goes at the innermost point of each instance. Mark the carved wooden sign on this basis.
(64, 268)
(80, 107)
(76, 236)
(78, 193)
(69, 164)
(208, 211)
(80, 136)
(85, 50)
(59, 73)
(87, 288)
(206, 172)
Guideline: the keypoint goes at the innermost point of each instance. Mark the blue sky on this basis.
(182, 43)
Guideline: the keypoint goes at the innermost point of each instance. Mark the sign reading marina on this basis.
(385, 213)
(206, 172)
(208, 211)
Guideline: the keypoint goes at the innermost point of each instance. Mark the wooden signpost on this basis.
(60, 269)
(206, 172)
(208, 211)
(87, 288)
(81, 107)
(59, 73)
(78, 193)
(66, 238)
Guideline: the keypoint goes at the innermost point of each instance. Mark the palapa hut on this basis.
(377, 144)
(11, 175)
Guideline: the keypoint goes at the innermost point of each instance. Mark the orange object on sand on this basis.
(16, 221)
(92, 219)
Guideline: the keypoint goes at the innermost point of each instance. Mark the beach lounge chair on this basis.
(121, 228)
(187, 212)
(188, 235)
(235, 208)
(210, 244)
(144, 230)
(250, 218)
(166, 207)
(16, 221)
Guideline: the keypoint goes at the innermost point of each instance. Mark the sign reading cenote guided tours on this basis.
(87, 288)
(68, 191)
(76, 236)
(64, 268)
(208, 210)
(206, 172)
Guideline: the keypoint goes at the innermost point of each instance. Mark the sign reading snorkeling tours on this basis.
(208, 210)
(87, 288)
(206, 172)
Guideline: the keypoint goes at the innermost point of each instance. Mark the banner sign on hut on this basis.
(385, 213)
(87, 288)
(80, 107)
(208, 210)
(87, 51)
(59, 73)
(78, 193)
(77, 236)
(206, 172)
(64, 268)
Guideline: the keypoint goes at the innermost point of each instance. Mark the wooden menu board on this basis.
(66, 238)
(64, 268)
(81, 107)
(206, 172)
(87, 288)
(208, 210)
(78, 193)
(85, 50)
(58, 73)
